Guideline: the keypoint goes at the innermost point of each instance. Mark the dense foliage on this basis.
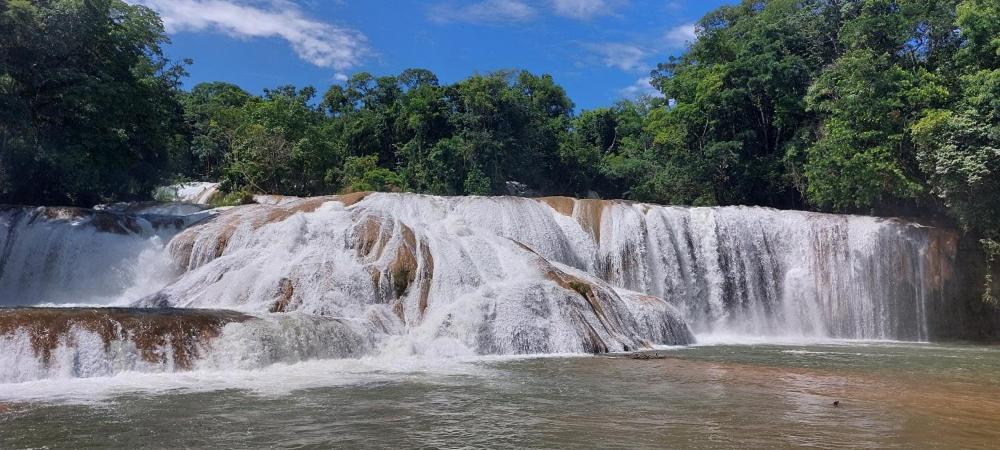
(89, 108)
(874, 106)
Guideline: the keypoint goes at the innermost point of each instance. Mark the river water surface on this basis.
(890, 394)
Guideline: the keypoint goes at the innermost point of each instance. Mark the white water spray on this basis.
(407, 274)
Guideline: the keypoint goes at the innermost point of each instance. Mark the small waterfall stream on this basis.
(361, 274)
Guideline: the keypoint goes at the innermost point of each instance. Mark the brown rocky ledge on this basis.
(151, 330)
(588, 212)
(226, 224)
(411, 263)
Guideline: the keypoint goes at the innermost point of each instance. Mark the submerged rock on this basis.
(647, 355)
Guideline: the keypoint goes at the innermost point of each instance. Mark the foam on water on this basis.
(274, 380)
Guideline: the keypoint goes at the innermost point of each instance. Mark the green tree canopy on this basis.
(89, 107)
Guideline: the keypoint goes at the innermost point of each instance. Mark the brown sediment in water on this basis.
(973, 403)
(151, 330)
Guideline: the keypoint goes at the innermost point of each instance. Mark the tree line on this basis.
(869, 106)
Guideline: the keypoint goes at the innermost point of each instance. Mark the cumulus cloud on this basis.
(632, 57)
(319, 43)
(641, 88)
(581, 9)
(626, 57)
(487, 11)
(635, 57)
(509, 11)
(680, 36)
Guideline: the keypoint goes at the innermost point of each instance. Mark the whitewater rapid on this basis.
(363, 275)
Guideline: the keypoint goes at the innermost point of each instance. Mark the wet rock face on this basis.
(647, 321)
(131, 218)
(434, 276)
(205, 242)
(958, 311)
(409, 264)
(103, 221)
(161, 336)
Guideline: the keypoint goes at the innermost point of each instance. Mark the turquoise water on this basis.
(891, 395)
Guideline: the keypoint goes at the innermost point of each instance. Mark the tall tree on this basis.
(89, 106)
(890, 71)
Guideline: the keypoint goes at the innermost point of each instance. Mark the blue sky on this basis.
(599, 50)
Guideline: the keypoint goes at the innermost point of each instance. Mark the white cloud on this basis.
(581, 9)
(641, 88)
(626, 57)
(316, 42)
(487, 11)
(680, 36)
(505, 11)
(635, 57)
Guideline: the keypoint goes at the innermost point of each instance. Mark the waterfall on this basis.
(764, 272)
(363, 274)
(73, 255)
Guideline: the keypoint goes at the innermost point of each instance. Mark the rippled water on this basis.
(892, 395)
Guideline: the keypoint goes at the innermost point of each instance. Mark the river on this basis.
(892, 395)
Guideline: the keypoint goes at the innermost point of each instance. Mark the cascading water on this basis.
(361, 274)
(73, 255)
(764, 272)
